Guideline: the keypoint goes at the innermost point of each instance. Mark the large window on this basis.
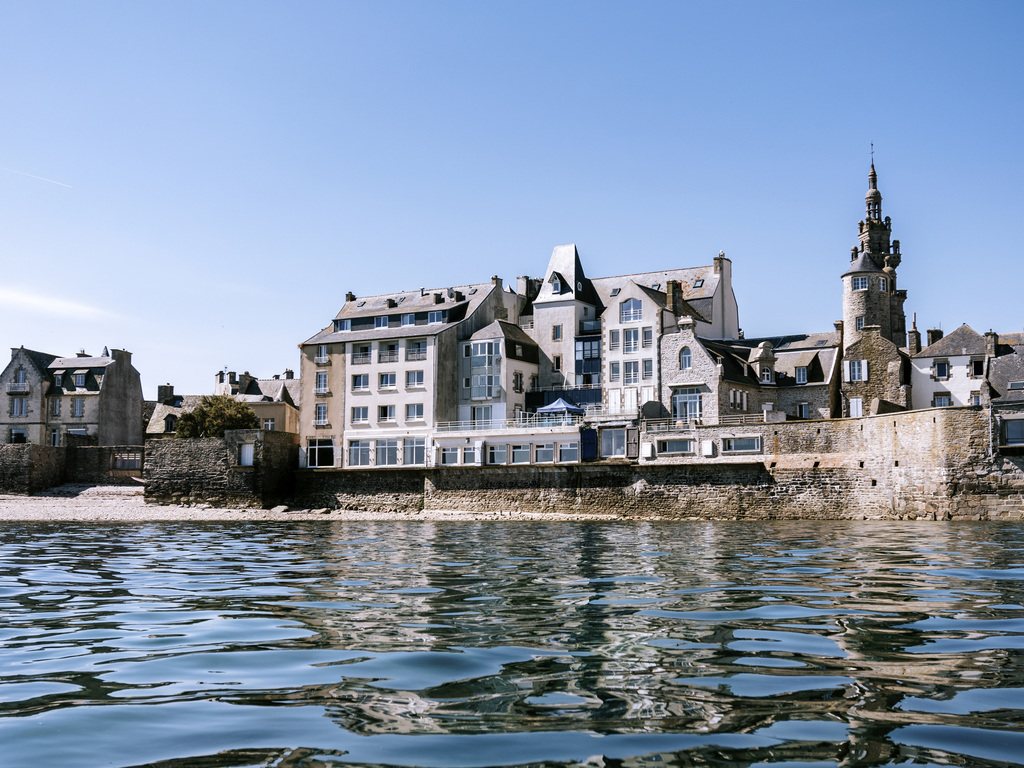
(321, 383)
(860, 283)
(520, 454)
(568, 452)
(387, 453)
(630, 311)
(675, 446)
(740, 444)
(1013, 432)
(361, 415)
(320, 415)
(320, 452)
(388, 353)
(449, 456)
(416, 350)
(630, 339)
(360, 382)
(413, 379)
(544, 453)
(686, 404)
(631, 373)
(414, 412)
(359, 453)
(414, 450)
(613, 442)
(496, 454)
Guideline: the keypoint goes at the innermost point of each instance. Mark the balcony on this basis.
(529, 422)
(415, 354)
(360, 358)
(385, 356)
(17, 386)
(322, 360)
(322, 391)
(589, 327)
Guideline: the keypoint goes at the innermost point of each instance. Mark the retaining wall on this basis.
(28, 468)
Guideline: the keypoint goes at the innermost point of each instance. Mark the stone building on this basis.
(46, 398)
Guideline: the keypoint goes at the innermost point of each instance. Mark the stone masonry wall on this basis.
(94, 464)
(27, 468)
(374, 490)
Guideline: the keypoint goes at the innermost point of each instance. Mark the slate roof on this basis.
(504, 329)
(863, 263)
(406, 302)
(963, 341)
(565, 264)
(272, 391)
(1005, 369)
(41, 360)
(814, 351)
(179, 405)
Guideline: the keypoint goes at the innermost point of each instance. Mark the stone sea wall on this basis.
(28, 468)
(935, 464)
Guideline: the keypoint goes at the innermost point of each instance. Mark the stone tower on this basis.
(870, 296)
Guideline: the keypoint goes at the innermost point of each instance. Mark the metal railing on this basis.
(322, 360)
(387, 357)
(360, 358)
(669, 425)
(526, 325)
(532, 421)
(743, 418)
(416, 354)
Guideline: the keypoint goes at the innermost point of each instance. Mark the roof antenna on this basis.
(872, 153)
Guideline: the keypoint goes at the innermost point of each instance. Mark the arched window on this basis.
(630, 311)
(685, 359)
(170, 423)
(766, 375)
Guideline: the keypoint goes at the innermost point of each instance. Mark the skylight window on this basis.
(698, 283)
(615, 291)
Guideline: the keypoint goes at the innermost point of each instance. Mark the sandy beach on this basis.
(116, 503)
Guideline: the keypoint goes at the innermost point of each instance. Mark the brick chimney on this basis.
(991, 343)
(934, 334)
(914, 337)
(350, 297)
(672, 294)
(289, 373)
(164, 392)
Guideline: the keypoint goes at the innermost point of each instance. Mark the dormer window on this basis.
(79, 379)
(342, 325)
(766, 376)
(556, 285)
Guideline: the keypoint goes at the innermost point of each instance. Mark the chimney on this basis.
(991, 343)
(289, 373)
(671, 294)
(164, 392)
(350, 297)
(718, 262)
(914, 337)
(522, 285)
(439, 298)
(220, 377)
(934, 335)
(81, 353)
(497, 281)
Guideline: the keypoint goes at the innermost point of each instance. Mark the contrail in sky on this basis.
(61, 183)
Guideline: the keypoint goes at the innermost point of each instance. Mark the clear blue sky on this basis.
(201, 183)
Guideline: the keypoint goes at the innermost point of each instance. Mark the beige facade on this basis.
(46, 398)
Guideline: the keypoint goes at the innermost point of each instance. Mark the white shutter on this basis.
(864, 370)
(846, 370)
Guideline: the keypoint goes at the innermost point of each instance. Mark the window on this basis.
(686, 404)
(360, 354)
(481, 414)
(469, 455)
(544, 453)
(556, 364)
(77, 406)
(387, 453)
(342, 325)
(19, 376)
(409, 319)
(630, 311)
(19, 436)
(385, 413)
(413, 379)
(1016, 385)
(170, 423)
(320, 452)
(766, 375)
(19, 406)
(801, 374)
(856, 370)
(467, 382)
(449, 456)
(467, 351)
(613, 442)
(630, 339)
(519, 350)
(245, 454)
(738, 444)
(699, 283)
(860, 323)
(556, 285)
(941, 369)
(79, 380)
(321, 354)
(883, 284)
(268, 424)
(856, 407)
(416, 350)
(613, 339)
(648, 337)
(941, 400)
(1013, 430)
(860, 283)
(517, 381)
(520, 454)
(613, 371)
(975, 398)
(496, 454)
(803, 410)
(386, 381)
(977, 368)
(568, 452)
(414, 450)
(387, 353)
(631, 373)
(321, 383)
(58, 380)
(414, 412)
(556, 333)
(55, 406)
(55, 438)
(435, 316)
(360, 382)
(484, 386)
(685, 359)
(359, 453)
(675, 446)
(381, 321)
(320, 415)
(361, 414)
(648, 371)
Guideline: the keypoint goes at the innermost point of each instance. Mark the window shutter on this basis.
(632, 443)
(846, 370)
(864, 370)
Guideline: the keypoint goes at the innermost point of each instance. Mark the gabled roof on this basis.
(565, 265)
(271, 391)
(963, 341)
(41, 360)
(78, 363)
(502, 329)
(186, 403)
(791, 352)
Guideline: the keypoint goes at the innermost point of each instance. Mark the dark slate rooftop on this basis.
(963, 341)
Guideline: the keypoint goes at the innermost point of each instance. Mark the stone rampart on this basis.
(104, 465)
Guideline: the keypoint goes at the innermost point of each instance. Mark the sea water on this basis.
(505, 644)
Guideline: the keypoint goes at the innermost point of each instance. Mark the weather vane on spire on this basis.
(872, 153)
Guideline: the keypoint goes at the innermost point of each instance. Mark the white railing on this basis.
(17, 386)
(669, 425)
(526, 325)
(742, 418)
(416, 354)
(360, 358)
(387, 357)
(322, 360)
(321, 423)
(533, 421)
(322, 391)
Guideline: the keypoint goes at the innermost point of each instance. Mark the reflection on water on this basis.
(487, 644)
